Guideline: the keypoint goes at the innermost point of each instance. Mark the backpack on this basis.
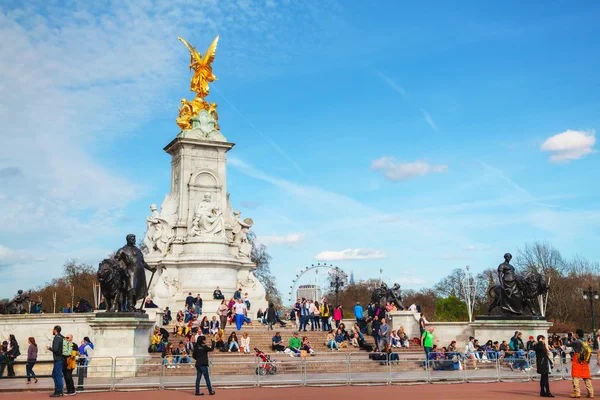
(586, 353)
(67, 350)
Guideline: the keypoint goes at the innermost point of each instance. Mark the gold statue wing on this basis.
(209, 57)
(193, 51)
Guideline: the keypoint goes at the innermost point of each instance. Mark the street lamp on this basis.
(593, 295)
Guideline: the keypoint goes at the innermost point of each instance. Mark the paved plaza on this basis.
(502, 390)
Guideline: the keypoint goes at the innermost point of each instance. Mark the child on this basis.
(247, 301)
(245, 343)
(395, 339)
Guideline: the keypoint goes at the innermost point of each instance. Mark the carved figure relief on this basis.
(159, 235)
(208, 219)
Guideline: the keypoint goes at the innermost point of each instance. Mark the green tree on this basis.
(451, 308)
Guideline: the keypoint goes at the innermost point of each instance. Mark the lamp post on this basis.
(593, 295)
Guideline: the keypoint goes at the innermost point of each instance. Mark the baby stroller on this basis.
(266, 366)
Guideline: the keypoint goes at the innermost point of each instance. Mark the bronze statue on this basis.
(16, 305)
(134, 279)
(111, 278)
(515, 293)
(384, 294)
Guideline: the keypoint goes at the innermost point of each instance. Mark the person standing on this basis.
(223, 310)
(57, 357)
(358, 312)
(69, 366)
(200, 354)
(543, 365)
(580, 360)
(240, 314)
(422, 324)
(427, 342)
(338, 315)
(325, 317)
(384, 334)
(12, 352)
(376, 324)
(198, 304)
(32, 352)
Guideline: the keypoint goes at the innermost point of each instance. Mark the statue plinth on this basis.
(197, 241)
(510, 318)
(124, 335)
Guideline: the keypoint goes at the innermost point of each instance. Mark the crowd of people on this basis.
(66, 356)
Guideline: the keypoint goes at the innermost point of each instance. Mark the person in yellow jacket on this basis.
(324, 311)
(69, 366)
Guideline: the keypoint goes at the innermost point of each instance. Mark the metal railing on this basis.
(324, 369)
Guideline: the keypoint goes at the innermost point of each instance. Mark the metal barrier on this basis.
(328, 370)
(127, 372)
(94, 374)
(236, 372)
(138, 373)
(364, 370)
(446, 371)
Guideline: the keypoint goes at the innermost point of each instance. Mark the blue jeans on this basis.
(303, 322)
(234, 344)
(333, 344)
(239, 321)
(179, 359)
(200, 371)
(29, 370)
(57, 375)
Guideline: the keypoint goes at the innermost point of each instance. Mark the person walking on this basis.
(580, 360)
(69, 365)
(200, 354)
(32, 353)
(57, 357)
(271, 316)
(240, 314)
(543, 365)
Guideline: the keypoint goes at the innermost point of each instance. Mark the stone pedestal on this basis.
(123, 336)
(196, 240)
(504, 329)
(408, 319)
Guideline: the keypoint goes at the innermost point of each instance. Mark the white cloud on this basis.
(289, 239)
(570, 145)
(349, 254)
(410, 281)
(429, 120)
(471, 247)
(399, 171)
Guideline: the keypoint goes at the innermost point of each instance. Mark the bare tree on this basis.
(262, 259)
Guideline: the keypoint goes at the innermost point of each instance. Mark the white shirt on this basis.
(245, 342)
(240, 308)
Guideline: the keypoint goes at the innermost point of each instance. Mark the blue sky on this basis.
(412, 138)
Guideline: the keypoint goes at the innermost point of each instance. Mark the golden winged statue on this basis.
(202, 67)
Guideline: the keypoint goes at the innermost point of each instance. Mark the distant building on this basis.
(352, 277)
(309, 292)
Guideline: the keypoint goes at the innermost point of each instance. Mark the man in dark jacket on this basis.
(57, 356)
(201, 356)
(189, 301)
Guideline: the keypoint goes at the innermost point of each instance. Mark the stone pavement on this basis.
(467, 391)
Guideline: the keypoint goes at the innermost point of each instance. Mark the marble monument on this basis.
(197, 241)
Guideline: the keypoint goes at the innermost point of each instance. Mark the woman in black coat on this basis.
(12, 353)
(271, 316)
(543, 365)
(200, 354)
